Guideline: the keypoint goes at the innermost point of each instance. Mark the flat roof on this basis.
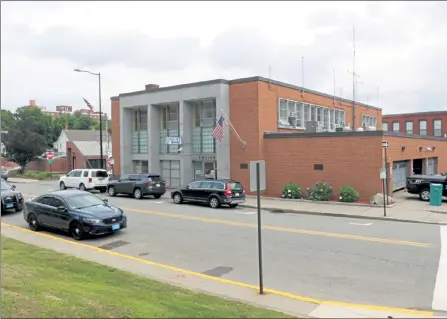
(415, 114)
(277, 135)
(241, 80)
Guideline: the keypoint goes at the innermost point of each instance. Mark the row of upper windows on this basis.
(409, 129)
(293, 114)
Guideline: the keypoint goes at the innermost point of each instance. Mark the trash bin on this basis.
(435, 194)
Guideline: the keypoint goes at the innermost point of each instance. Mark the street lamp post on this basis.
(100, 112)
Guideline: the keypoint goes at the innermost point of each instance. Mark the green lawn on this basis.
(41, 283)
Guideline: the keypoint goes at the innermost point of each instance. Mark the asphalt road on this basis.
(349, 260)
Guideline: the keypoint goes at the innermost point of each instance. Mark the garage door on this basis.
(432, 164)
(170, 172)
(400, 172)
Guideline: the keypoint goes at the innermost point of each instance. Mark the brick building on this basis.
(421, 123)
(302, 135)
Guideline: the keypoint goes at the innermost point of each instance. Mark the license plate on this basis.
(237, 194)
(157, 185)
(9, 205)
(116, 227)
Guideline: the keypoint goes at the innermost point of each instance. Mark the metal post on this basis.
(100, 123)
(384, 203)
(51, 173)
(258, 195)
(387, 175)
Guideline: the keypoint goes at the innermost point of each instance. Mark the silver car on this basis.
(4, 173)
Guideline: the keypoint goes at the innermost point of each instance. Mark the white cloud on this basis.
(401, 47)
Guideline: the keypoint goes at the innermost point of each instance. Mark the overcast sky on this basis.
(401, 47)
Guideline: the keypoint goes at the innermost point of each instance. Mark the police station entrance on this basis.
(205, 167)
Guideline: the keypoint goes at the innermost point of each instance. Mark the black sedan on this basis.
(11, 199)
(77, 212)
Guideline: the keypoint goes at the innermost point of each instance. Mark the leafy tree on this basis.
(83, 122)
(29, 136)
(7, 119)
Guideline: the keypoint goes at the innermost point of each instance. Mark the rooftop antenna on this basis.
(302, 76)
(334, 86)
(354, 76)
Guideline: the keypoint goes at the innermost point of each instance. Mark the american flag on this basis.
(218, 132)
(88, 104)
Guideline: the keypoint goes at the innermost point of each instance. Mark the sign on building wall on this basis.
(173, 140)
(204, 157)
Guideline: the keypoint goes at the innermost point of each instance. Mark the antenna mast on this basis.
(353, 78)
(302, 76)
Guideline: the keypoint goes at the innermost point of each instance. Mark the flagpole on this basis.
(234, 130)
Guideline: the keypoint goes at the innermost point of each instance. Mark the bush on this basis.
(321, 192)
(348, 194)
(292, 190)
(37, 175)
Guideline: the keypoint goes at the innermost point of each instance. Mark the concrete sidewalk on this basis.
(403, 211)
(299, 306)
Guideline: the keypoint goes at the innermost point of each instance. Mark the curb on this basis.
(323, 202)
(290, 211)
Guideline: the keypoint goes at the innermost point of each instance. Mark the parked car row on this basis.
(214, 192)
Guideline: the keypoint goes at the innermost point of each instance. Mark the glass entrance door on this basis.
(204, 170)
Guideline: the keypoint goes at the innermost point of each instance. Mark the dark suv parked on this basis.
(138, 185)
(213, 192)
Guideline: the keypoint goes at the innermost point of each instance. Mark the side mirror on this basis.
(105, 200)
(187, 186)
(13, 187)
(61, 209)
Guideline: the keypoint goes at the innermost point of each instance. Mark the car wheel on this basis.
(178, 199)
(214, 202)
(33, 222)
(233, 205)
(82, 187)
(111, 191)
(425, 195)
(62, 186)
(157, 196)
(137, 193)
(103, 189)
(76, 231)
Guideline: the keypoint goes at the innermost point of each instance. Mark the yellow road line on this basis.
(227, 281)
(282, 229)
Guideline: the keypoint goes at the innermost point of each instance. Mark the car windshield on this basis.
(83, 201)
(5, 185)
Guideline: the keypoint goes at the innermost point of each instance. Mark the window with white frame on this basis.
(396, 127)
(384, 126)
(409, 127)
(332, 119)
(319, 114)
(313, 113)
(306, 114)
(368, 121)
(437, 128)
(291, 114)
(423, 127)
(341, 116)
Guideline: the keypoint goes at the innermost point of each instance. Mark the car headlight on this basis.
(91, 220)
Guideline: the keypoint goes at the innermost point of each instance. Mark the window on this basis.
(384, 126)
(326, 118)
(313, 113)
(437, 128)
(204, 121)
(44, 200)
(396, 127)
(423, 127)
(194, 185)
(83, 201)
(140, 133)
(342, 117)
(95, 163)
(85, 174)
(283, 112)
(369, 121)
(100, 173)
(306, 114)
(125, 178)
(409, 127)
(55, 202)
(319, 114)
(169, 127)
(332, 119)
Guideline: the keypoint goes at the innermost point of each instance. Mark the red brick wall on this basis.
(116, 144)
(346, 161)
(416, 117)
(254, 110)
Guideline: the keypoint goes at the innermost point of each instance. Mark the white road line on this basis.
(440, 292)
(359, 224)
(246, 213)
(159, 202)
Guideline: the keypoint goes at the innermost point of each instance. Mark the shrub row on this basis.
(322, 191)
(37, 175)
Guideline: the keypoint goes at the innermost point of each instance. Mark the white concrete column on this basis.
(185, 126)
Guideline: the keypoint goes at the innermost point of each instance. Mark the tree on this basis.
(29, 136)
(7, 120)
(83, 122)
